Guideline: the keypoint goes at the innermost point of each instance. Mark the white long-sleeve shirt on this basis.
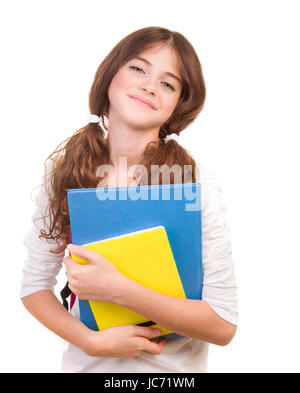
(219, 288)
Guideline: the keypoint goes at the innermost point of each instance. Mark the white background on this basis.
(248, 133)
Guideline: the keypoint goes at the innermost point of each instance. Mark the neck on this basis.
(127, 142)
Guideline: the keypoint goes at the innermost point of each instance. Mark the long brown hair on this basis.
(75, 160)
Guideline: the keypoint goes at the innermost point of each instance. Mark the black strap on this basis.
(148, 323)
(65, 293)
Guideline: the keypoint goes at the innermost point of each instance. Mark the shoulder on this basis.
(43, 191)
(215, 228)
(210, 186)
(40, 197)
(204, 174)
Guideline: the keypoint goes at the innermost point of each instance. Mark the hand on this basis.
(99, 280)
(124, 342)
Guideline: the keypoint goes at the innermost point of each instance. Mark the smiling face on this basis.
(145, 90)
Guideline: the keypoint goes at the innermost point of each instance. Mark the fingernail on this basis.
(70, 247)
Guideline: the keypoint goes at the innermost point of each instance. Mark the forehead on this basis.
(161, 54)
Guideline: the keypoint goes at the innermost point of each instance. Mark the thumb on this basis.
(83, 253)
(155, 347)
(161, 343)
(148, 332)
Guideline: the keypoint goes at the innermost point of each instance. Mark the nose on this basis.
(149, 86)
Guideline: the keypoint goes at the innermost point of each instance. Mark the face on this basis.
(146, 89)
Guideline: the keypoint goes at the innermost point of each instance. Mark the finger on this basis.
(83, 252)
(147, 332)
(69, 263)
(153, 347)
(161, 343)
(67, 260)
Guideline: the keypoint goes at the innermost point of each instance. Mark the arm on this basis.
(47, 309)
(39, 278)
(100, 280)
(190, 318)
(122, 341)
(213, 319)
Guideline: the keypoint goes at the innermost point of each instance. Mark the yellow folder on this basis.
(144, 256)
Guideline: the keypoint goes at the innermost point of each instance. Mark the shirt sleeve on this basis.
(219, 281)
(40, 266)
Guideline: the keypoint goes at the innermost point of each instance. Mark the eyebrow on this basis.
(167, 73)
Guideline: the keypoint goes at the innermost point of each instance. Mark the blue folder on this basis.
(101, 213)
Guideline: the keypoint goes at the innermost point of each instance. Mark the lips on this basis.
(144, 100)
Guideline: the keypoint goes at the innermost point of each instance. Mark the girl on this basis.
(149, 88)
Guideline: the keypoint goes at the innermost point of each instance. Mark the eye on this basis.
(136, 68)
(169, 86)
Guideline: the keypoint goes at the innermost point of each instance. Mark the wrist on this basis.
(122, 288)
(83, 339)
(88, 344)
(95, 344)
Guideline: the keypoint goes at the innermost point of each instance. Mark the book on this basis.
(102, 213)
(145, 257)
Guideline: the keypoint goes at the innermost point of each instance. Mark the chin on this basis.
(137, 119)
